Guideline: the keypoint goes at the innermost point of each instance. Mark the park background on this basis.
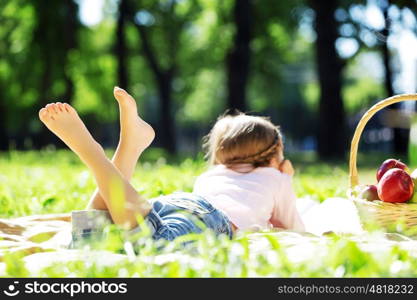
(313, 66)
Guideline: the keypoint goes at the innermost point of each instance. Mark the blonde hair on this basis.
(237, 139)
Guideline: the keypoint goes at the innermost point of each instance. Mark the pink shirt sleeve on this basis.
(285, 214)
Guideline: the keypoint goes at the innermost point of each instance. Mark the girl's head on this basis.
(237, 139)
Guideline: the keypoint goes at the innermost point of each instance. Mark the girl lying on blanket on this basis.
(248, 187)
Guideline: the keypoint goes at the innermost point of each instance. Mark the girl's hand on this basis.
(286, 167)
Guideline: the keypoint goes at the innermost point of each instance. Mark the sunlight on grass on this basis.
(56, 182)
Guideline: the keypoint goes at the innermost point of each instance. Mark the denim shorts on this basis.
(182, 213)
(171, 216)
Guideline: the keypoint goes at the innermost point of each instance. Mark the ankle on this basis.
(92, 149)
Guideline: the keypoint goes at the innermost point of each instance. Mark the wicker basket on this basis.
(391, 217)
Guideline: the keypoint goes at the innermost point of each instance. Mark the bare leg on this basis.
(135, 136)
(122, 200)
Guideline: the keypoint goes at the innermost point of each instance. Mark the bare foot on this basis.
(134, 132)
(64, 122)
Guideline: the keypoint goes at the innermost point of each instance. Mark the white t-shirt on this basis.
(260, 199)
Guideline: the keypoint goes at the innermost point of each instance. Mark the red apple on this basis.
(369, 192)
(413, 198)
(390, 164)
(395, 186)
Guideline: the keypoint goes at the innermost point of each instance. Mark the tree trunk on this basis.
(70, 42)
(400, 134)
(45, 136)
(332, 126)
(121, 52)
(163, 79)
(167, 134)
(4, 138)
(238, 58)
(55, 36)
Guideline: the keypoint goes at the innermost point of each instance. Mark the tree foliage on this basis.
(186, 62)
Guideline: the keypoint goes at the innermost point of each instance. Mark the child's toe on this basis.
(55, 108)
(60, 106)
(68, 107)
(50, 108)
(43, 113)
(119, 93)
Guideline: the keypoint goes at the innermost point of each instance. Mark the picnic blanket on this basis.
(44, 239)
(41, 233)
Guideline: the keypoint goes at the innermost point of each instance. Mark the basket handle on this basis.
(353, 171)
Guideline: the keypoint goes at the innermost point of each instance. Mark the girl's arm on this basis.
(285, 214)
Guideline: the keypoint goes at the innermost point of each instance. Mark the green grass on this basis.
(56, 182)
